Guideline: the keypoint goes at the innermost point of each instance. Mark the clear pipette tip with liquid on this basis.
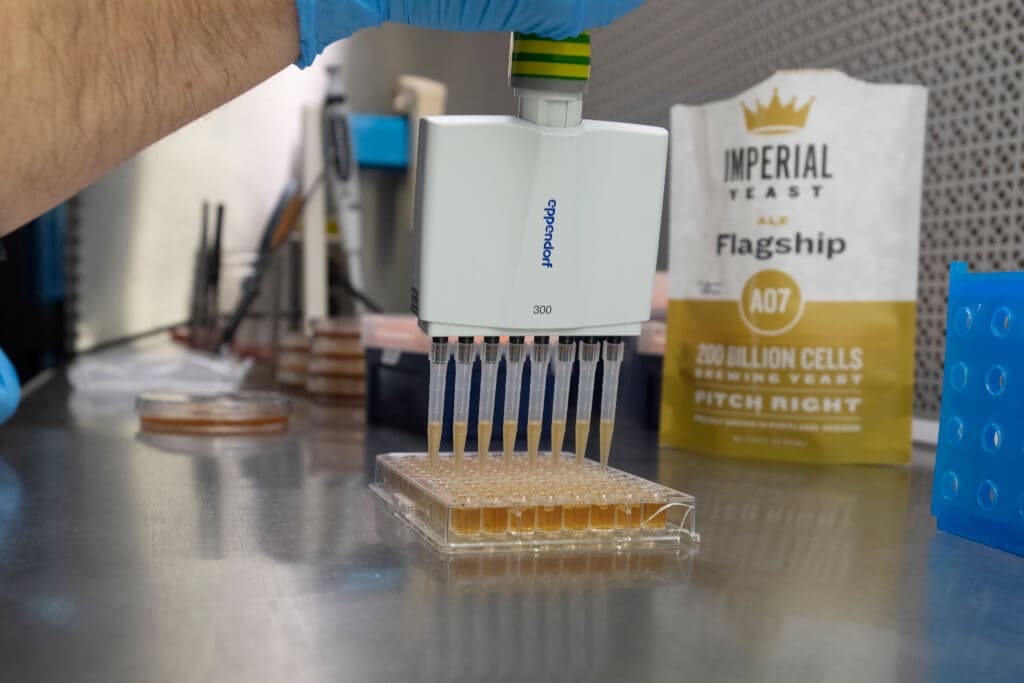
(465, 355)
(440, 352)
(515, 356)
(540, 357)
(614, 350)
(590, 353)
(565, 356)
(490, 356)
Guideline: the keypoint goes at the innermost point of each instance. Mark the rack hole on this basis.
(988, 495)
(958, 376)
(1002, 320)
(962, 320)
(991, 437)
(955, 430)
(950, 485)
(995, 381)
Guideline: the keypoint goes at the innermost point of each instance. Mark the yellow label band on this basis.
(833, 387)
(552, 48)
(548, 70)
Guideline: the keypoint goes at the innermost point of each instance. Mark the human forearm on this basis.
(86, 83)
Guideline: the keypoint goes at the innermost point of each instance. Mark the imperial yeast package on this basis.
(795, 214)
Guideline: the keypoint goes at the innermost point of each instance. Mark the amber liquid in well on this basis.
(434, 441)
(509, 430)
(557, 439)
(549, 518)
(582, 436)
(533, 428)
(607, 428)
(652, 518)
(483, 439)
(577, 517)
(602, 516)
(466, 520)
(459, 432)
(523, 520)
(495, 520)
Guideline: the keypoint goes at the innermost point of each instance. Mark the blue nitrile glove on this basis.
(10, 389)
(322, 22)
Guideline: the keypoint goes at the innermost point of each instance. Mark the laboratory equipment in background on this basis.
(204, 320)
(416, 98)
(978, 487)
(355, 174)
(302, 276)
(253, 325)
(336, 366)
(341, 169)
(292, 361)
(275, 235)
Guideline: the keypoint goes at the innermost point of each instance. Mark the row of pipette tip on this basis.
(562, 356)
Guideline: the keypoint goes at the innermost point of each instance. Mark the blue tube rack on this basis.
(978, 489)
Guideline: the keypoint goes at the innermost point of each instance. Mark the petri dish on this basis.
(232, 414)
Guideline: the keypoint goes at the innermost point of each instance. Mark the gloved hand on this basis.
(10, 389)
(322, 22)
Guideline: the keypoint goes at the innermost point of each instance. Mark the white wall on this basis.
(140, 224)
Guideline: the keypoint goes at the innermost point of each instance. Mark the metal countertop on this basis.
(139, 559)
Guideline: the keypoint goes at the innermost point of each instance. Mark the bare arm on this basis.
(84, 84)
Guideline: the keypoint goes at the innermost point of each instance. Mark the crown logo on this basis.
(776, 118)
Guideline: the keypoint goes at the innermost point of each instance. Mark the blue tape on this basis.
(380, 141)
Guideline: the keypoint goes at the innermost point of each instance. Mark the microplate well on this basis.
(487, 505)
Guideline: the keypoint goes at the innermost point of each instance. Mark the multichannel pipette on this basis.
(465, 355)
(530, 209)
(565, 356)
(439, 354)
(515, 355)
(490, 355)
(590, 353)
(614, 350)
(540, 356)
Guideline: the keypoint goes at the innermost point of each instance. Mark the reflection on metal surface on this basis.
(791, 539)
(10, 500)
(965, 609)
(218, 446)
(266, 567)
(556, 615)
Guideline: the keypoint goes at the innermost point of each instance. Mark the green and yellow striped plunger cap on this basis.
(545, 63)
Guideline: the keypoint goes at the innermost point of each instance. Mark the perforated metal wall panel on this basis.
(968, 52)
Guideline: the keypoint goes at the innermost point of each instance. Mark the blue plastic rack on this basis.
(978, 491)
